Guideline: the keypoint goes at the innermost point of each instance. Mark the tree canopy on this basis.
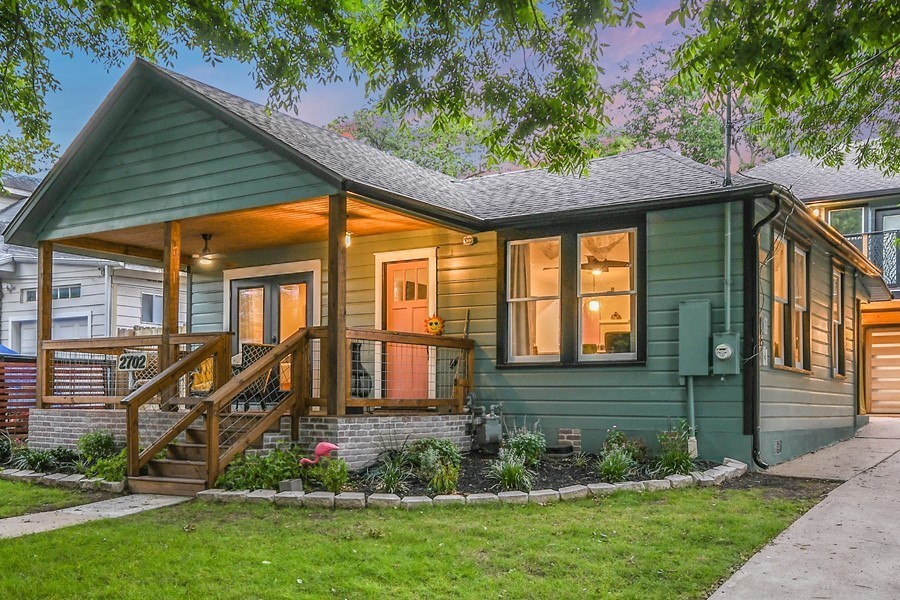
(658, 111)
(532, 69)
(825, 75)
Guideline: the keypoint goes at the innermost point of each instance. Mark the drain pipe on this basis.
(693, 449)
(757, 459)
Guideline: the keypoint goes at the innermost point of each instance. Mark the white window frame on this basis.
(510, 302)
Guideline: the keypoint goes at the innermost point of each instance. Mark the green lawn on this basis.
(677, 544)
(24, 498)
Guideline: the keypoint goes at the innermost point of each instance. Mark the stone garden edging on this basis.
(730, 469)
(63, 480)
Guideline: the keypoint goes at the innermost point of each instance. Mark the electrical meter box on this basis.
(694, 329)
(726, 353)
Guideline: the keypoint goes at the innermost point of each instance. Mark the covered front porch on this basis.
(276, 350)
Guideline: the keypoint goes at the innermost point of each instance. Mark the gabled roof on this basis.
(811, 181)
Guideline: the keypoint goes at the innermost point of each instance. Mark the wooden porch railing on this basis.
(159, 387)
(84, 371)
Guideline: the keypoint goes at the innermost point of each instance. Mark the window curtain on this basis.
(523, 314)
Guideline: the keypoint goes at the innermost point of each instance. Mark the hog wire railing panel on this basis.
(880, 247)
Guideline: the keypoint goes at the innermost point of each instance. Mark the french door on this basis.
(267, 310)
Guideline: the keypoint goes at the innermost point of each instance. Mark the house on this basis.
(635, 296)
(86, 290)
(864, 206)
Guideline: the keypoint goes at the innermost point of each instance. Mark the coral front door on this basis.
(406, 309)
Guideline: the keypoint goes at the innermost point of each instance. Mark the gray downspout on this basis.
(755, 405)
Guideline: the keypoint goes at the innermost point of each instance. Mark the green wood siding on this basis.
(685, 256)
(172, 160)
(801, 411)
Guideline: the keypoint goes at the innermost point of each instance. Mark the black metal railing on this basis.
(881, 248)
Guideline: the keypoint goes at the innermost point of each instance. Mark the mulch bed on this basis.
(550, 474)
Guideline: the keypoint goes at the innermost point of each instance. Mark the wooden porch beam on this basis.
(127, 250)
(171, 289)
(44, 320)
(336, 346)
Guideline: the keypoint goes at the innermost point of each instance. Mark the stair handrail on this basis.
(216, 461)
(217, 346)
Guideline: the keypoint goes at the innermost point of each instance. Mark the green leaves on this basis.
(824, 74)
(531, 71)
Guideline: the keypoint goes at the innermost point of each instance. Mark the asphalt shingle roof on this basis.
(614, 180)
(26, 183)
(809, 180)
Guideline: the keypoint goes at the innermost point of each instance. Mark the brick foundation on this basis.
(52, 427)
(570, 437)
(362, 438)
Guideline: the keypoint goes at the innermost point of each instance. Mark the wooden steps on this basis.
(183, 471)
(170, 486)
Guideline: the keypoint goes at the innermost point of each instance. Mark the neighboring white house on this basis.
(91, 297)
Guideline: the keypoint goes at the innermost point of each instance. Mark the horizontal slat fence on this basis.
(18, 377)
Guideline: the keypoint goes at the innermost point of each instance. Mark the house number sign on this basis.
(132, 361)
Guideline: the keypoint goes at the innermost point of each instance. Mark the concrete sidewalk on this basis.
(847, 546)
(105, 509)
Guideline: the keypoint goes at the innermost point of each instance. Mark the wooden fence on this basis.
(18, 377)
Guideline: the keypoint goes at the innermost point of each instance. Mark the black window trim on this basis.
(569, 265)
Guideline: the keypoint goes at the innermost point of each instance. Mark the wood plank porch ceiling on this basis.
(252, 229)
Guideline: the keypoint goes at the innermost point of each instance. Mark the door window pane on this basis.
(410, 284)
(292, 309)
(397, 285)
(250, 315)
(423, 284)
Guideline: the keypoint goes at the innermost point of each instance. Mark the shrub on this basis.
(111, 468)
(615, 465)
(528, 444)
(444, 480)
(35, 460)
(66, 461)
(261, 472)
(510, 472)
(6, 447)
(445, 450)
(331, 474)
(392, 471)
(95, 446)
(635, 447)
(674, 458)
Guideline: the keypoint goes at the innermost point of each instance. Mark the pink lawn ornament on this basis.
(322, 449)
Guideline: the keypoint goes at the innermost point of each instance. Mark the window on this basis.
(790, 305)
(533, 299)
(606, 295)
(849, 221)
(151, 309)
(64, 292)
(838, 352)
(572, 298)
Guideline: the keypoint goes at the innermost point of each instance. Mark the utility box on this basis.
(726, 353)
(694, 330)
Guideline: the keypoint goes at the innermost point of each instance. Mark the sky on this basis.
(84, 84)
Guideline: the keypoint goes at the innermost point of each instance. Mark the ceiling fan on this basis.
(596, 266)
(206, 256)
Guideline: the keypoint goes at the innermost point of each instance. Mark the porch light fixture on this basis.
(347, 239)
(205, 254)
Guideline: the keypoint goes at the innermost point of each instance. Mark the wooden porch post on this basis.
(44, 321)
(171, 269)
(336, 354)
